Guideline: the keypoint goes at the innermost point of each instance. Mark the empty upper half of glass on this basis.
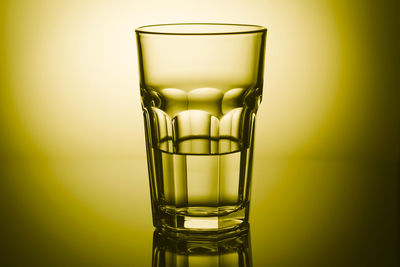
(201, 81)
(196, 55)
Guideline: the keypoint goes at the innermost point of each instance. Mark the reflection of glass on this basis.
(201, 85)
(175, 252)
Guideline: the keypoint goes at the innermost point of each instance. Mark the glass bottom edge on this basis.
(208, 227)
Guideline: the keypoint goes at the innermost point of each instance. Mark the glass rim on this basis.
(256, 29)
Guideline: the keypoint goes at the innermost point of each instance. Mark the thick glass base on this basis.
(203, 220)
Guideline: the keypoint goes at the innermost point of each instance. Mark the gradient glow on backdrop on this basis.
(72, 76)
(69, 102)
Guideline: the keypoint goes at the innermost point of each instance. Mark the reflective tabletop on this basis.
(96, 212)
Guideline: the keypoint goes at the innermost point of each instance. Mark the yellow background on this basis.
(74, 186)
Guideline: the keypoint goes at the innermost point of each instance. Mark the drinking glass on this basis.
(201, 85)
